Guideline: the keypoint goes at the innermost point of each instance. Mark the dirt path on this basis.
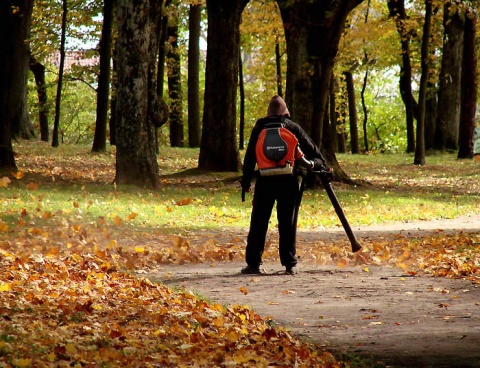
(399, 320)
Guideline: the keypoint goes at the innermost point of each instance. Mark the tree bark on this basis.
(15, 17)
(112, 123)
(398, 12)
(194, 20)
(219, 149)
(58, 98)
(175, 85)
(158, 111)
(365, 111)
(420, 143)
(103, 89)
(24, 129)
(342, 117)
(364, 87)
(333, 114)
(431, 110)
(38, 70)
(162, 50)
(446, 132)
(136, 161)
(278, 64)
(241, 87)
(469, 87)
(352, 113)
(312, 31)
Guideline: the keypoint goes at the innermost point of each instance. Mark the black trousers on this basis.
(287, 191)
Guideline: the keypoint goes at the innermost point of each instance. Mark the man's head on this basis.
(277, 106)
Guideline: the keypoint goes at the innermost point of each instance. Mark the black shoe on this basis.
(291, 270)
(250, 270)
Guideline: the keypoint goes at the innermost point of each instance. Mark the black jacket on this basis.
(308, 147)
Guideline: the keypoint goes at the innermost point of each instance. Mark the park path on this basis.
(397, 319)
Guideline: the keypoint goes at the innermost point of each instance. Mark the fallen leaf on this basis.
(18, 175)
(132, 216)
(4, 182)
(32, 186)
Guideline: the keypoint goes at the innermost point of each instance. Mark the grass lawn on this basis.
(78, 184)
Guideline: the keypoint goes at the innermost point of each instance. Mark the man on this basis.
(285, 189)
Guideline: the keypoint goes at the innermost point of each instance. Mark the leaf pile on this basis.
(454, 255)
(66, 299)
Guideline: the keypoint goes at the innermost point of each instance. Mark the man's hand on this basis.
(245, 190)
(320, 166)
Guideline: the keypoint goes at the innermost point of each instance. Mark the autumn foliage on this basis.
(78, 310)
(71, 295)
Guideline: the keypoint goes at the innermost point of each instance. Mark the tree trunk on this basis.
(24, 129)
(398, 12)
(333, 114)
(194, 20)
(328, 149)
(420, 143)
(446, 133)
(100, 137)
(364, 87)
(241, 88)
(313, 30)
(469, 87)
(278, 64)
(342, 117)
(365, 111)
(38, 70)
(431, 109)
(174, 84)
(136, 161)
(112, 123)
(58, 98)
(162, 51)
(219, 149)
(158, 111)
(14, 58)
(352, 113)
